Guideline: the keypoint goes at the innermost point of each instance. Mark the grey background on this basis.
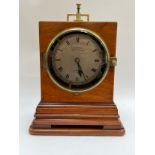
(32, 11)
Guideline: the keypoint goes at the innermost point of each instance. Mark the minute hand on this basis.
(80, 70)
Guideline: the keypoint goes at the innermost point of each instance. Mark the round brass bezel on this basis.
(85, 31)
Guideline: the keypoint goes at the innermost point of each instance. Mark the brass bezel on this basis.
(81, 30)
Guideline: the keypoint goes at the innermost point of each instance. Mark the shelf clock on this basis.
(77, 61)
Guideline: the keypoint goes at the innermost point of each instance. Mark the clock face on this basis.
(77, 60)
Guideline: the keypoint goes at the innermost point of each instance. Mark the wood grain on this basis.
(73, 118)
(76, 132)
(90, 113)
(49, 91)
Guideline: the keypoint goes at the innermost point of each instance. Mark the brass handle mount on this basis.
(78, 15)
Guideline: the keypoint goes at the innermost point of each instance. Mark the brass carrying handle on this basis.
(78, 15)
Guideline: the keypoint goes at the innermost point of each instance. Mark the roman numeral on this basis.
(60, 68)
(93, 70)
(58, 59)
(67, 76)
(96, 60)
(77, 39)
(94, 50)
(67, 42)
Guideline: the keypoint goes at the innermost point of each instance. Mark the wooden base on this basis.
(77, 119)
(76, 132)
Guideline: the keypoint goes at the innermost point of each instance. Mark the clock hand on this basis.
(80, 71)
(83, 75)
(77, 60)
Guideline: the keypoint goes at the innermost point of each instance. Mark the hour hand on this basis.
(80, 72)
(77, 60)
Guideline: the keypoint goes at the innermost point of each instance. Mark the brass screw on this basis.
(78, 7)
(113, 61)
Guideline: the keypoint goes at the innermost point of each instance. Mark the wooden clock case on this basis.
(64, 113)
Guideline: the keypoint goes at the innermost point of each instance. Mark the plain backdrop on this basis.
(33, 11)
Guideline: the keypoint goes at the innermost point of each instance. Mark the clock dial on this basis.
(77, 60)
